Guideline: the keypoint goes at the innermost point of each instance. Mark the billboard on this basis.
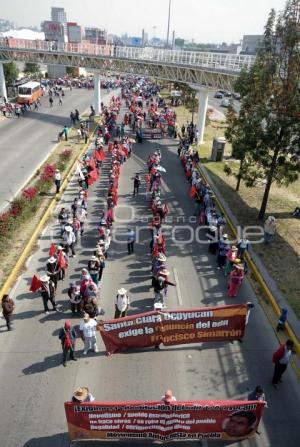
(74, 33)
(180, 420)
(174, 327)
(53, 30)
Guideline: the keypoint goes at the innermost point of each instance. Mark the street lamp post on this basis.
(168, 31)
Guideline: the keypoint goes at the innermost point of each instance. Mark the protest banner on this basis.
(181, 420)
(220, 323)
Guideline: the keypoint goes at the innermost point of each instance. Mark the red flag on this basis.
(91, 163)
(193, 191)
(35, 284)
(100, 155)
(52, 250)
(93, 176)
(61, 260)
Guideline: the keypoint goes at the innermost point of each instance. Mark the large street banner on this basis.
(209, 419)
(176, 327)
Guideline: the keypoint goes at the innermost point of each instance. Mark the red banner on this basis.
(207, 419)
(174, 327)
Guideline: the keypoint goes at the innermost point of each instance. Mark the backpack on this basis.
(278, 354)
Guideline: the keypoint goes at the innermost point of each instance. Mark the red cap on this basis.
(68, 324)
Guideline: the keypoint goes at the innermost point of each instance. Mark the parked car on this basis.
(225, 102)
(227, 94)
(218, 95)
(236, 96)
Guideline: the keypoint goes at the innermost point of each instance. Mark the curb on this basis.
(22, 258)
(258, 277)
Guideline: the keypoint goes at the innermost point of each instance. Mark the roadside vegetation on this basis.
(259, 174)
(18, 222)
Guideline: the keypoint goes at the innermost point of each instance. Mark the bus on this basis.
(29, 92)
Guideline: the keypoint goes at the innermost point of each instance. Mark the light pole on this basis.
(168, 31)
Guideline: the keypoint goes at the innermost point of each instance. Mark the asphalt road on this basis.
(26, 142)
(216, 103)
(34, 382)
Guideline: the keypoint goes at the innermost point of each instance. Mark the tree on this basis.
(266, 132)
(71, 71)
(188, 97)
(32, 68)
(11, 73)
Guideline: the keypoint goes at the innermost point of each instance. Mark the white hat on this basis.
(161, 257)
(122, 291)
(93, 258)
(59, 247)
(68, 228)
(44, 278)
(158, 306)
(52, 260)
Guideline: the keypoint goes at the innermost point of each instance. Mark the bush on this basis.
(48, 173)
(29, 193)
(65, 155)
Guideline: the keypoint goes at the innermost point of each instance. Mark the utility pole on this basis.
(168, 32)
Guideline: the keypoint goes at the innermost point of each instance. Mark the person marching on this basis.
(53, 270)
(136, 184)
(88, 334)
(47, 290)
(8, 307)
(67, 336)
(281, 359)
(122, 303)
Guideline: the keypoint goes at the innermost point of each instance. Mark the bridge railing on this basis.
(218, 61)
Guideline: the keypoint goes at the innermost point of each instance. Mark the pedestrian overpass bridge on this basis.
(202, 70)
(215, 70)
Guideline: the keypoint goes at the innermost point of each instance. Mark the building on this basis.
(144, 38)
(95, 35)
(58, 15)
(5, 25)
(250, 43)
(74, 32)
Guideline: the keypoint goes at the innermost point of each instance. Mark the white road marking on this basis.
(178, 291)
(16, 285)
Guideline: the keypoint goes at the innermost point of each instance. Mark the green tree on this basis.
(32, 68)
(71, 71)
(266, 133)
(11, 73)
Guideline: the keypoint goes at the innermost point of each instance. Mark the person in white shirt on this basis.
(88, 334)
(243, 245)
(122, 303)
(168, 398)
(69, 240)
(57, 180)
(81, 215)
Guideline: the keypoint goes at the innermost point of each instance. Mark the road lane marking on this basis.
(178, 291)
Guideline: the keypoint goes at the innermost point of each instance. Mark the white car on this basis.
(225, 102)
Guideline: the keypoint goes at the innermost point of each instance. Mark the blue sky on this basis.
(202, 20)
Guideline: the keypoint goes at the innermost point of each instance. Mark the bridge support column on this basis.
(97, 93)
(3, 91)
(202, 108)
